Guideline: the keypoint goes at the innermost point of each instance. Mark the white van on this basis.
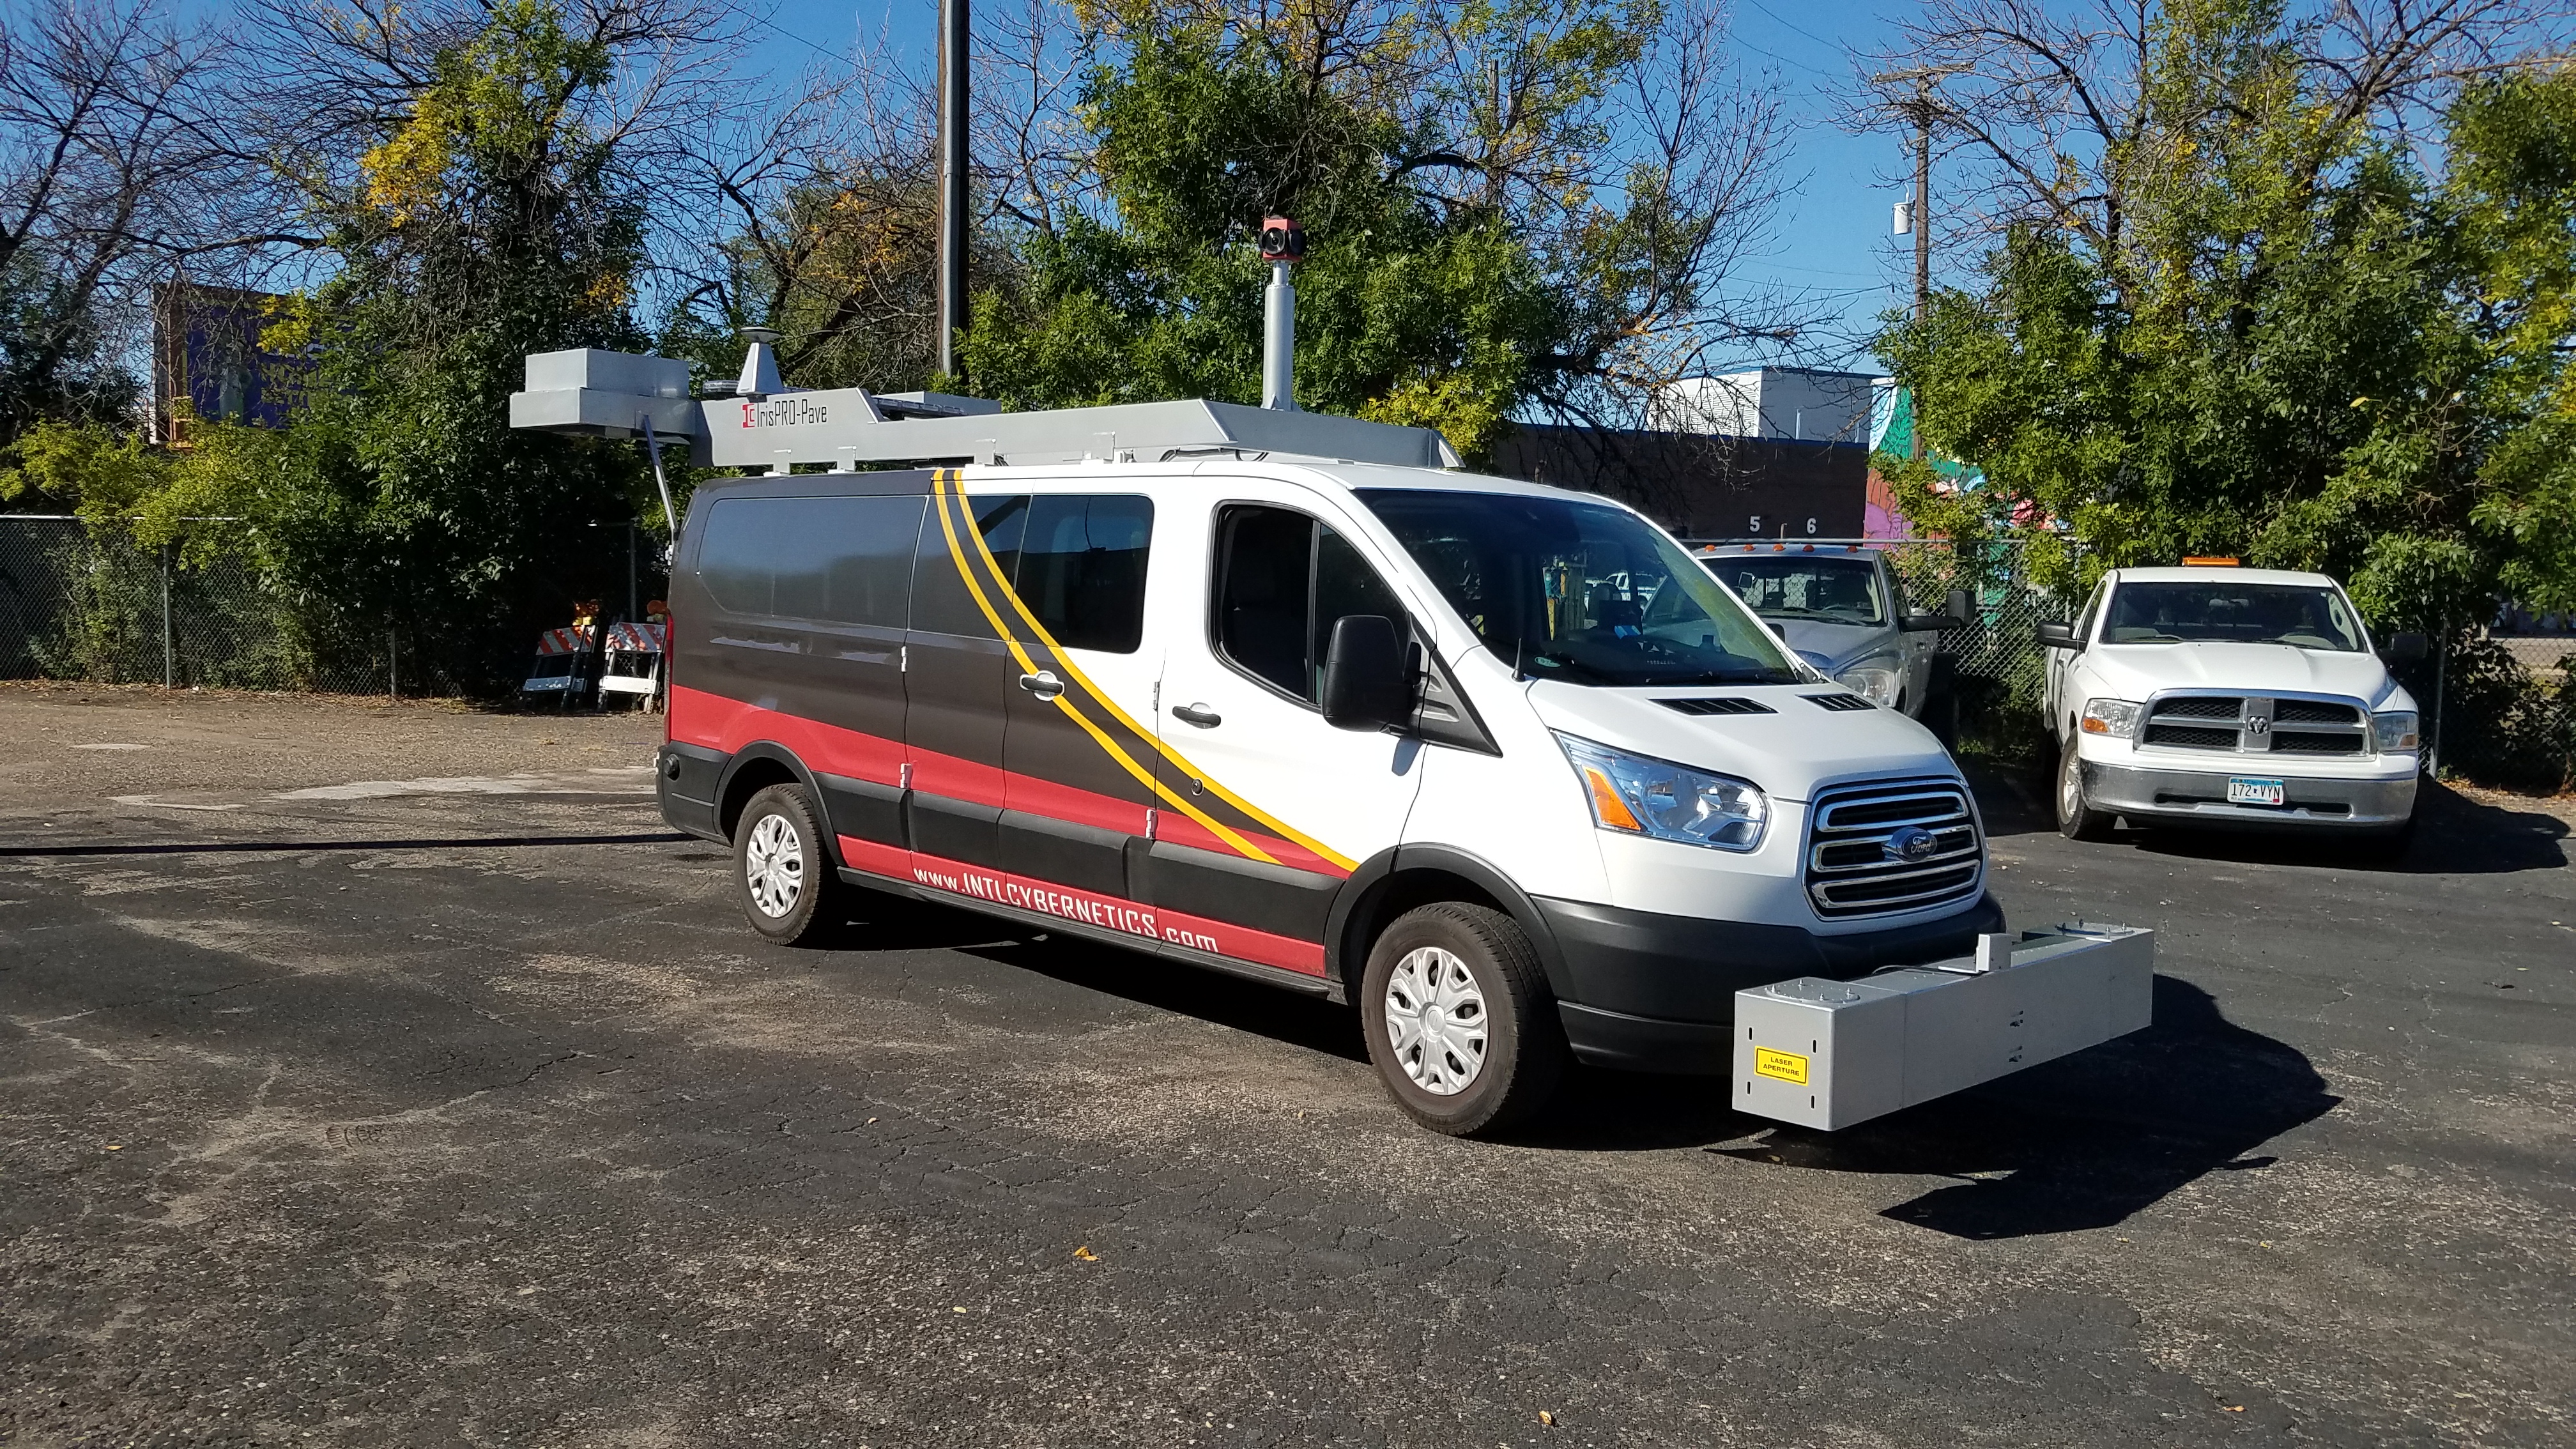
(1499, 763)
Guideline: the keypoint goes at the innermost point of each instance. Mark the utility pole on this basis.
(952, 179)
(1922, 196)
(1918, 216)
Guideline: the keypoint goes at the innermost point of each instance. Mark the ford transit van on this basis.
(1498, 763)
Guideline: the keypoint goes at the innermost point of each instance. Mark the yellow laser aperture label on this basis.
(1787, 1066)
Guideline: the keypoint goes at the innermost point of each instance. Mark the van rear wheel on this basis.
(1459, 1021)
(790, 891)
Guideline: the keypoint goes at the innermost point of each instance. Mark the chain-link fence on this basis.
(76, 603)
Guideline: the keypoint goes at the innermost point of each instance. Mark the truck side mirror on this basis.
(1366, 683)
(2059, 636)
(2405, 648)
(1961, 608)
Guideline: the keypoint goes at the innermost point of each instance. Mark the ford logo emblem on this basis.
(1912, 843)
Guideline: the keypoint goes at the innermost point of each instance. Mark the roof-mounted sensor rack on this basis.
(614, 394)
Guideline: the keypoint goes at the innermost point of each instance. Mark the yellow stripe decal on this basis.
(1151, 737)
(957, 554)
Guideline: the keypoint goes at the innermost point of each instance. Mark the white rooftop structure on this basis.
(1799, 403)
(620, 395)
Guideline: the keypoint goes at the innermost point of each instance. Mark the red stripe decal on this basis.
(1147, 923)
(717, 723)
(876, 859)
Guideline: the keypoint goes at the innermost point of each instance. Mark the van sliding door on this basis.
(1080, 741)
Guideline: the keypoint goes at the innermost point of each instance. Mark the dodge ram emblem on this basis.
(1912, 843)
(2258, 725)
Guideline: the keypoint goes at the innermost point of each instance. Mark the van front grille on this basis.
(1893, 845)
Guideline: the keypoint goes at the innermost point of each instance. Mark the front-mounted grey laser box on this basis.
(1828, 1054)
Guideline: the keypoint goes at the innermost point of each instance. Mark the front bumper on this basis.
(2200, 796)
(1644, 991)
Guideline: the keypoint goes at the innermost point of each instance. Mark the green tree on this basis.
(488, 221)
(1511, 208)
(2292, 346)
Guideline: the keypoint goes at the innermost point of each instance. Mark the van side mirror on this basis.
(2059, 636)
(2405, 648)
(1366, 683)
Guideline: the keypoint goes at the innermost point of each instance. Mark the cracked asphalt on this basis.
(387, 1075)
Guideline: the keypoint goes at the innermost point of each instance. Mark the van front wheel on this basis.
(1458, 1019)
(785, 875)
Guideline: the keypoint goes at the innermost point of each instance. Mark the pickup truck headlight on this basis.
(2394, 731)
(2117, 717)
(1875, 680)
(1641, 796)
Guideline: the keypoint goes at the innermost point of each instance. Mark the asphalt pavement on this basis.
(391, 1076)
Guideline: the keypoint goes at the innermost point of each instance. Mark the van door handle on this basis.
(1043, 684)
(1197, 714)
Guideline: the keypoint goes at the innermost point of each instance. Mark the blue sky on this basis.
(1831, 240)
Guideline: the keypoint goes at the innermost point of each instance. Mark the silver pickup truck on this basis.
(1841, 607)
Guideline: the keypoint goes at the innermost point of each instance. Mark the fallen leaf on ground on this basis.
(1545, 1417)
(1086, 1255)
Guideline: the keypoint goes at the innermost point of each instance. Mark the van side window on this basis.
(941, 602)
(1282, 581)
(1082, 568)
(830, 560)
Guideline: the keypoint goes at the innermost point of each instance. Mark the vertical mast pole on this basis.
(952, 179)
(1922, 229)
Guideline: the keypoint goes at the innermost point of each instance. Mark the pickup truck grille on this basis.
(2253, 724)
(1855, 840)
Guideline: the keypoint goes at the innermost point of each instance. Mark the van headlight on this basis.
(1643, 796)
(2394, 731)
(1875, 680)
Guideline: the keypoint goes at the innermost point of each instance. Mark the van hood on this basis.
(2138, 670)
(1835, 647)
(1789, 752)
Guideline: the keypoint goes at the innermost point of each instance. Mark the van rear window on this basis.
(831, 560)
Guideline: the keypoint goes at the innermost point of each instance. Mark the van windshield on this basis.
(1579, 591)
(2300, 615)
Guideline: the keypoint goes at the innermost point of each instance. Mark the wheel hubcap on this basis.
(773, 865)
(2070, 789)
(1435, 1017)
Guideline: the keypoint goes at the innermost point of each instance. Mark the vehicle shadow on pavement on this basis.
(892, 923)
(2455, 835)
(2084, 1142)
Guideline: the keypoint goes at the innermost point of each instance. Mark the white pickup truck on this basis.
(2230, 697)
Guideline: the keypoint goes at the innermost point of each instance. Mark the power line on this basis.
(1785, 25)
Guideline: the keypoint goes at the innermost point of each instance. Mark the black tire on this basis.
(2076, 819)
(1523, 1043)
(792, 894)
